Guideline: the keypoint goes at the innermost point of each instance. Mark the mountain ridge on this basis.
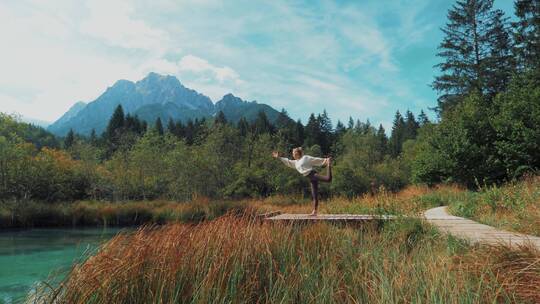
(154, 96)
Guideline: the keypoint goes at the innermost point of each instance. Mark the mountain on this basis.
(168, 111)
(72, 112)
(235, 108)
(152, 97)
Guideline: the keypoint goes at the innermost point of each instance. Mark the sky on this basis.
(363, 58)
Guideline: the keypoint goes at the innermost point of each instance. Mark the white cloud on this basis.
(300, 57)
(47, 65)
(198, 65)
(112, 21)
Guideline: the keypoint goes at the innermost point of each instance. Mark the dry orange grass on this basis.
(412, 200)
(239, 260)
(517, 271)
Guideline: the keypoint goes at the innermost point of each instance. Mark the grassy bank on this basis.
(235, 259)
(412, 200)
(96, 213)
(514, 206)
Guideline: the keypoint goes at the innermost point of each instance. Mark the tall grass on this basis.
(413, 200)
(513, 206)
(15, 214)
(238, 260)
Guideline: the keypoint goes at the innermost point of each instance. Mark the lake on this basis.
(29, 256)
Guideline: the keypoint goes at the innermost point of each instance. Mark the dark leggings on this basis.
(314, 179)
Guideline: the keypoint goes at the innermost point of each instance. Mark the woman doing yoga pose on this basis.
(305, 165)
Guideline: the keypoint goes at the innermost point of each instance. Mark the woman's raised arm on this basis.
(286, 161)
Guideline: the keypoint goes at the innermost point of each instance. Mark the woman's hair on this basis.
(300, 150)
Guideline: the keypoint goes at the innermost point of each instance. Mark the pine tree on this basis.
(283, 120)
(411, 126)
(93, 138)
(326, 132)
(190, 132)
(180, 129)
(350, 124)
(243, 126)
(471, 50)
(262, 125)
(129, 123)
(144, 127)
(500, 65)
(138, 126)
(423, 119)
(397, 136)
(286, 129)
(340, 129)
(159, 126)
(116, 124)
(299, 134)
(382, 141)
(70, 139)
(171, 127)
(527, 34)
(359, 126)
(220, 119)
(366, 128)
(312, 131)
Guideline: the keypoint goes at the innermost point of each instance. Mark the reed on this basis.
(239, 260)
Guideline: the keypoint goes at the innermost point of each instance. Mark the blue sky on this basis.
(364, 58)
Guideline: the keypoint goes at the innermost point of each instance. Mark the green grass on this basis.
(514, 206)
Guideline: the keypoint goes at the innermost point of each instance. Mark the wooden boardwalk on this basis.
(439, 217)
(347, 218)
(476, 232)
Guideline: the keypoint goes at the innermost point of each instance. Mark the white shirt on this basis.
(305, 164)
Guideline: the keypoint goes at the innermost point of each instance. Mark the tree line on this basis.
(209, 157)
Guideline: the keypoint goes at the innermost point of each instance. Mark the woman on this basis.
(305, 164)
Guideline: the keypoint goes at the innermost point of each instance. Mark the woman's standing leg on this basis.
(315, 179)
(314, 193)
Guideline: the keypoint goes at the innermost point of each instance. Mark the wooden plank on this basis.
(268, 214)
(333, 217)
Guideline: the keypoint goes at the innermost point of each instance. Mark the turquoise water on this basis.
(28, 257)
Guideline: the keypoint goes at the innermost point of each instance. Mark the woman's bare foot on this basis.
(314, 213)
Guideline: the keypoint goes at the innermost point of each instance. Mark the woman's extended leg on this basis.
(328, 177)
